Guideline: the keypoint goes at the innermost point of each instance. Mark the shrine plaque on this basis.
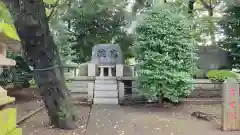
(107, 54)
(230, 105)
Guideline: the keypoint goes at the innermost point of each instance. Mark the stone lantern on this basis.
(7, 115)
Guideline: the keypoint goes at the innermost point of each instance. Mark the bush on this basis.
(20, 75)
(165, 50)
(199, 74)
(220, 75)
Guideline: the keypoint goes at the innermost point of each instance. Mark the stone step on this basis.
(106, 87)
(78, 86)
(105, 101)
(83, 96)
(105, 94)
(105, 78)
(105, 82)
(78, 90)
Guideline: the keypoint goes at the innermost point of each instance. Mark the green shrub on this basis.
(19, 75)
(220, 75)
(199, 74)
(165, 50)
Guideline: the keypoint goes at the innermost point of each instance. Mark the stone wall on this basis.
(83, 69)
(204, 88)
(79, 88)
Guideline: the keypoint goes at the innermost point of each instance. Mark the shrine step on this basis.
(105, 78)
(105, 94)
(105, 87)
(102, 81)
(105, 101)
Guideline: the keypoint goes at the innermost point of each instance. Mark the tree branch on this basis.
(191, 6)
(206, 5)
(217, 3)
(209, 7)
(53, 10)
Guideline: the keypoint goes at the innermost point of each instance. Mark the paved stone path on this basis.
(108, 120)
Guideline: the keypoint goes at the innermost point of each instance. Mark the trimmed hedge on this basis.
(220, 75)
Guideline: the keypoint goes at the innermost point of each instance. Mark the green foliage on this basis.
(230, 23)
(140, 4)
(60, 32)
(92, 22)
(165, 49)
(50, 1)
(61, 38)
(9, 31)
(4, 14)
(199, 74)
(20, 75)
(5, 77)
(220, 75)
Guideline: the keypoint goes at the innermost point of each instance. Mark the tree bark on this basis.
(41, 52)
(191, 6)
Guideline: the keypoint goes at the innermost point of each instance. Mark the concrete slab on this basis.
(105, 101)
(110, 87)
(108, 120)
(106, 94)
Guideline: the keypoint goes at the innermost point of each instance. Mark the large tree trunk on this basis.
(41, 52)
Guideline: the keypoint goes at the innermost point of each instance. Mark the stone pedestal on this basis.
(119, 70)
(90, 91)
(121, 91)
(91, 69)
(230, 105)
(8, 116)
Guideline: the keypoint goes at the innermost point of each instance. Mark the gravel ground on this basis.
(134, 120)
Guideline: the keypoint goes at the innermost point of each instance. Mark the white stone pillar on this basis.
(90, 91)
(91, 69)
(121, 91)
(77, 71)
(109, 71)
(74, 72)
(101, 71)
(119, 70)
(135, 73)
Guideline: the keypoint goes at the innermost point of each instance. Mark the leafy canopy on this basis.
(165, 49)
(94, 22)
(230, 23)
